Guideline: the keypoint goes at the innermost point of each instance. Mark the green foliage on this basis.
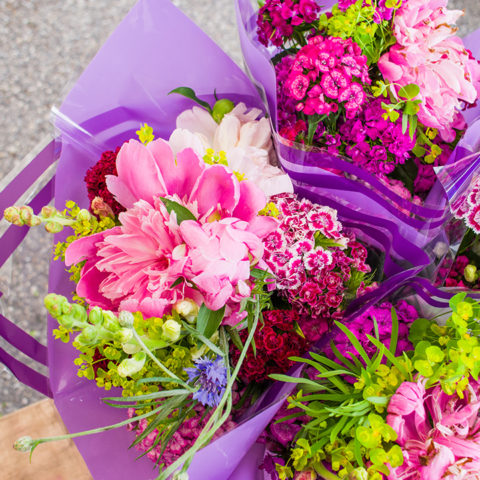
(347, 428)
(357, 23)
(449, 354)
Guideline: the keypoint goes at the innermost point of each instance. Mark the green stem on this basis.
(206, 432)
(160, 364)
(95, 430)
(326, 474)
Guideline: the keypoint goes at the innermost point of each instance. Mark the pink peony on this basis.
(133, 266)
(428, 54)
(439, 433)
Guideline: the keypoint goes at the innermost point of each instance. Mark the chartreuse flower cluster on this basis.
(449, 354)
(346, 402)
(365, 23)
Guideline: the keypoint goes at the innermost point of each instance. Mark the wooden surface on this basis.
(50, 461)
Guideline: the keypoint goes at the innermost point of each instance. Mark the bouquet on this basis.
(354, 95)
(190, 259)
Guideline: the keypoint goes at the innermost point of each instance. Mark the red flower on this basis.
(95, 180)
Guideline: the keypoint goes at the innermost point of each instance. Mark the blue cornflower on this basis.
(211, 378)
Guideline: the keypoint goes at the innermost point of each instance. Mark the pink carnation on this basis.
(429, 55)
(133, 266)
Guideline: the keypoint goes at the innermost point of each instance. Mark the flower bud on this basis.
(124, 335)
(53, 227)
(12, 215)
(131, 366)
(110, 321)
(26, 214)
(470, 273)
(171, 330)
(358, 474)
(131, 348)
(24, 444)
(180, 476)
(95, 316)
(89, 336)
(48, 211)
(100, 208)
(126, 319)
(221, 108)
(188, 309)
(54, 304)
(84, 215)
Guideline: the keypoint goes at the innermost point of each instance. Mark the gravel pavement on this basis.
(44, 46)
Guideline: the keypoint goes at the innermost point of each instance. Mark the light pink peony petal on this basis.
(227, 133)
(198, 120)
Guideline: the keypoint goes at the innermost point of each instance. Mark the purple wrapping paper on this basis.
(154, 50)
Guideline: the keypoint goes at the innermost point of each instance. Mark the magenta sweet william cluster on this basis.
(278, 18)
(375, 143)
(326, 73)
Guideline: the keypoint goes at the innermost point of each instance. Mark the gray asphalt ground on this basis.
(44, 46)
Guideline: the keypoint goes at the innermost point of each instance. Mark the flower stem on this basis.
(207, 433)
(160, 364)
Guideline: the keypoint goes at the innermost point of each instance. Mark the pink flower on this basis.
(428, 54)
(438, 433)
(133, 266)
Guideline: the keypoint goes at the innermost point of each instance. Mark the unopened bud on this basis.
(131, 366)
(100, 208)
(126, 319)
(470, 273)
(12, 215)
(48, 211)
(180, 476)
(131, 348)
(110, 321)
(171, 330)
(221, 108)
(54, 304)
(24, 444)
(53, 227)
(124, 335)
(88, 336)
(26, 213)
(358, 474)
(188, 309)
(84, 215)
(95, 316)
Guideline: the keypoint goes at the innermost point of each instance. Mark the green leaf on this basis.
(181, 212)
(354, 341)
(409, 91)
(287, 379)
(203, 339)
(393, 115)
(208, 320)
(394, 333)
(418, 151)
(190, 93)
(411, 108)
(404, 123)
(413, 126)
